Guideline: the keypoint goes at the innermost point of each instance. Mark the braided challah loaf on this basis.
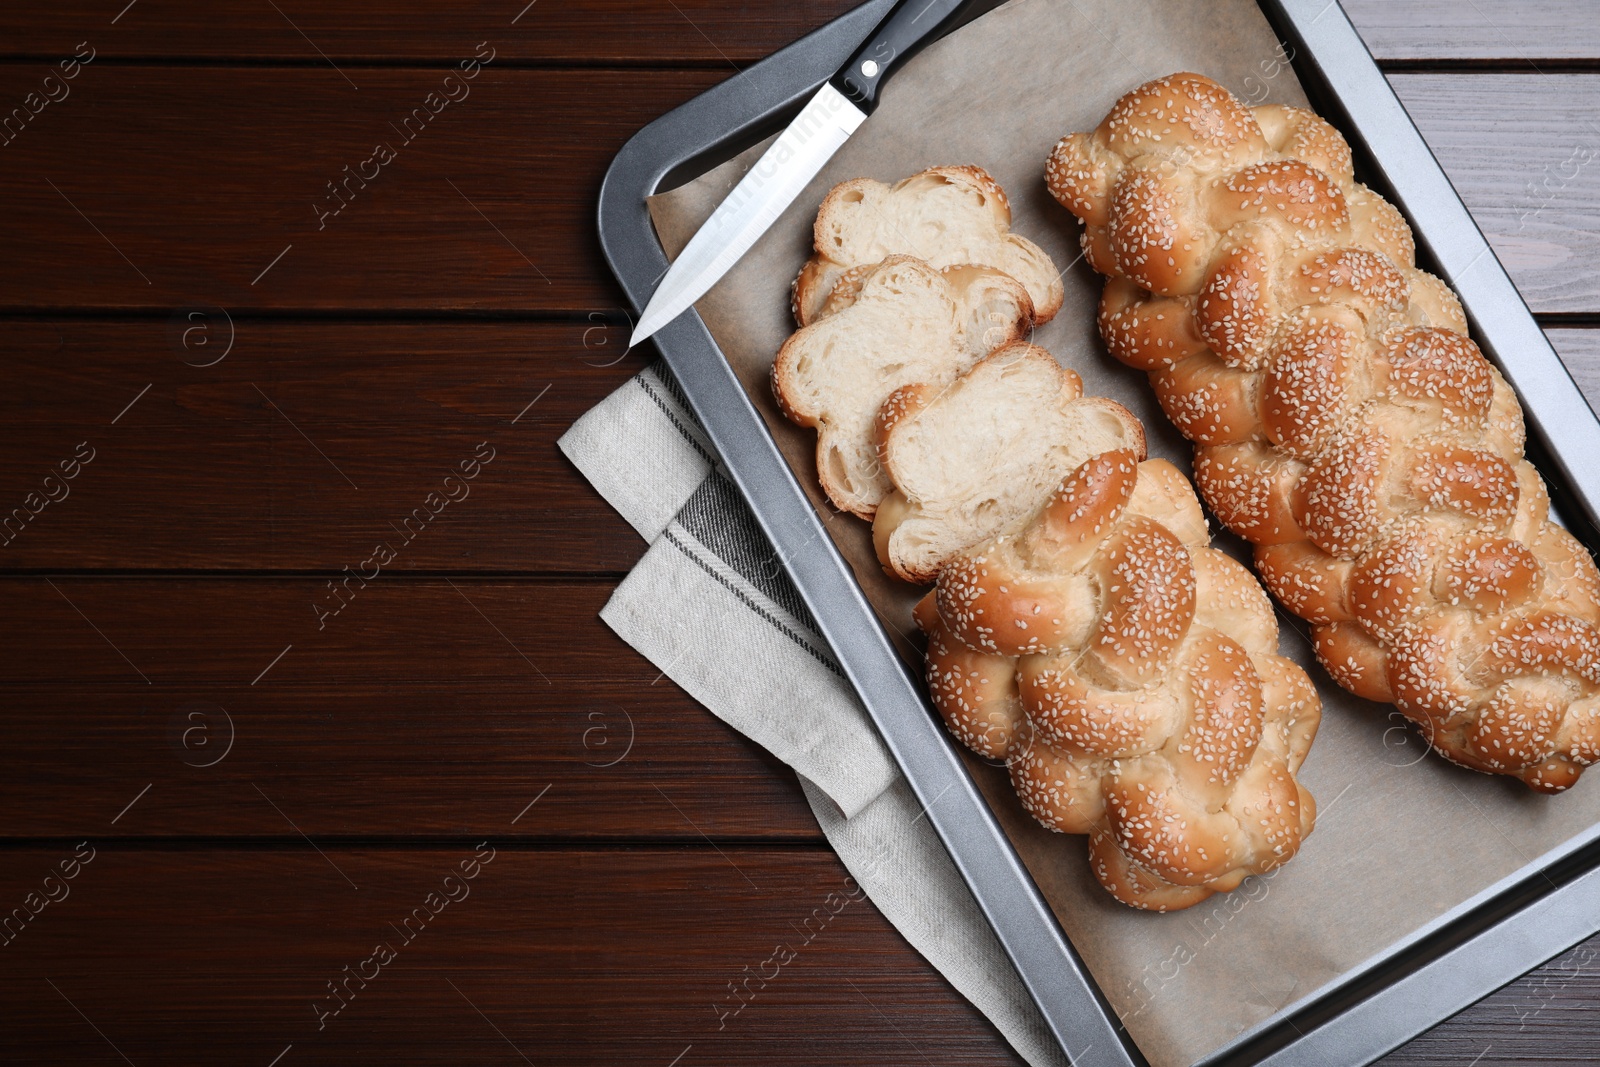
(1128, 675)
(1344, 422)
(1082, 630)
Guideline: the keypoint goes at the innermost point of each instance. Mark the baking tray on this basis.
(1471, 950)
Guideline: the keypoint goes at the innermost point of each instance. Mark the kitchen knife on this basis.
(822, 127)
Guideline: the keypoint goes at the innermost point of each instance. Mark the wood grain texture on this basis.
(491, 205)
(182, 956)
(1516, 31)
(565, 956)
(423, 707)
(227, 181)
(627, 758)
(712, 32)
(1523, 150)
(305, 444)
(1580, 351)
(206, 631)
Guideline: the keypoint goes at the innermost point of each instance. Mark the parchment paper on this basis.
(1402, 836)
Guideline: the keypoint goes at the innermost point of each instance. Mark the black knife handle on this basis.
(912, 24)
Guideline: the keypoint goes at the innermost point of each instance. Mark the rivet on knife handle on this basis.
(912, 24)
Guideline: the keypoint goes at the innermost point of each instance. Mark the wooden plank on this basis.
(1523, 150)
(544, 957)
(423, 707)
(1517, 31)
(254, 461)
(487, 204)
(715, 32)
(1580, 351)
(217, 631)
(492, 204)
(719, 33)
(624, 757)
(168, 952)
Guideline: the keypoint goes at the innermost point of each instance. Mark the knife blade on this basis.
(835, 112)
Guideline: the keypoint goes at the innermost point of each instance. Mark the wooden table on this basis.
(234, 766)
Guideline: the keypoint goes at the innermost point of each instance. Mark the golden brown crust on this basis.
(1306, 580)
(1153, 231)
(1235, 313)
(1146, 331)
(1209, 401)
(1304, 135)
(979, 690)
(1354, 660)
(1377, 224)
(1077, 516)
(1147, 568)
(1129, 676)
(1344, 421)
(1250, 488)
(1183, 109)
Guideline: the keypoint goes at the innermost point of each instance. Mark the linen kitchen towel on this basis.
(711, 606)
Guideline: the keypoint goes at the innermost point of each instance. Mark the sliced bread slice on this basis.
(944, 215)
(888, 325)
(969, 459)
